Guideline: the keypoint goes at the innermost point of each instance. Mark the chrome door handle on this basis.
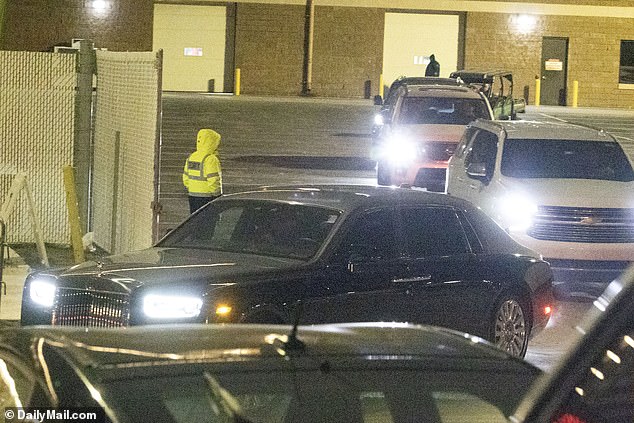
(425, 278)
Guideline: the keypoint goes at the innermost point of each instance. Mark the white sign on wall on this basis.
(553, 65)
(193, 51)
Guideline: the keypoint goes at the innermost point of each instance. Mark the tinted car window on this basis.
(257, 227)
(439, 110)
(433, 232)
(536, 158)
(483, 150)
(389, 395)
(372, 233)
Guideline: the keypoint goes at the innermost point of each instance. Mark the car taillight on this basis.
(547, 310)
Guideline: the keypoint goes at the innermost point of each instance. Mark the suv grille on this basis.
(80, 307)
(572, 224)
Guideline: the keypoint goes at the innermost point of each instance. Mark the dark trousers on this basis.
(197, 202)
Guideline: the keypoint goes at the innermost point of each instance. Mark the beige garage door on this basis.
(410, 38)
(193, 43)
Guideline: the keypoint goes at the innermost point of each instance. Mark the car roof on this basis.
(448, 91)
(180, 344)
(348, 197)
(480, 76)
(523, 129)
(425, 80)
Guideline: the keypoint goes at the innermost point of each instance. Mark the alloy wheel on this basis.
(510, 328)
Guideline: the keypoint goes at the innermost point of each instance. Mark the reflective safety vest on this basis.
(202, 176)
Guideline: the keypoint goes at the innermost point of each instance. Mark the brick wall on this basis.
(38, 25)
(348, 51)
(593, 53)
(269, 48)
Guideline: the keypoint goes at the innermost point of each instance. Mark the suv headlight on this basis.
(171, 306)
(42, 292)
(518, 212)
(399, 151)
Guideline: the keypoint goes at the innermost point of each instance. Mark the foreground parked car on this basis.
(348, 253)
(562, 190)
(255, 373)
(594, 383)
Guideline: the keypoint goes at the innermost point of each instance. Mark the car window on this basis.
(432, 231)
(465, 142)
(572, 159)
(270, 228)
(605, 392)
(372, 231)
(337, 395)
(483, 150)
(442, 110)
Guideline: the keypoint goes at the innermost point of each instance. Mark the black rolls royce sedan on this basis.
(345, 253)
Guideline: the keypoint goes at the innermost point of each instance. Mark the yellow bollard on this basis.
(73, 215)
(381, 88)
(538, 90)
(575, 93)
(237, 82)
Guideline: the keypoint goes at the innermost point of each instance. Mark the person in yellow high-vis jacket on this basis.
(202, 176)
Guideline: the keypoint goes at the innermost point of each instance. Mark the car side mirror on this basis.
(378, 100)
(477, 171)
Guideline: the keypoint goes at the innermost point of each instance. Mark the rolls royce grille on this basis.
(592, 225)
(81, 307)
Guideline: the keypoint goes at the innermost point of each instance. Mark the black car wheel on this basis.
(510, 326)
(383, 174)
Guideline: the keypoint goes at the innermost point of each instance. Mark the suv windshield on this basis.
(442, 110)
(268, 228)
(570, 159)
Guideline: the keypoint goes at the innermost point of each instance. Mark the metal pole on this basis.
(82, 148)
(157, 207)
(575, 93)
(308, 48)
(538, 90)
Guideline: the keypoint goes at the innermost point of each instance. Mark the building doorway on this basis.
(554, 71)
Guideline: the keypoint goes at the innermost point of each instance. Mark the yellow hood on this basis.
(207, 141)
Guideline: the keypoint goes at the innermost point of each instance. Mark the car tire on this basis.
(383, 174)
(510, 325)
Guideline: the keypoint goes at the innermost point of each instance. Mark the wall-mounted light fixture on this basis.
(524, 24)
(100, 7)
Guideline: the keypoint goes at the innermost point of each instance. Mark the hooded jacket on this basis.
(202, 176)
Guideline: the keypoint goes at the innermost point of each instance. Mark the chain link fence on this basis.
(37, 94)
(125, 145)
(37, 137)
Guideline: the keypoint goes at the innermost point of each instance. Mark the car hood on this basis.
(439, 133)
(161, 265)
(573, 192)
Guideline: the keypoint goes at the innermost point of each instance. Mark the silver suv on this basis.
(563, 190)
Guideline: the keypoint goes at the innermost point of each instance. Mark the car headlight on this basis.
(399, 151)
(171, 306)
(42, 292)
(518, 212)
(378, 119)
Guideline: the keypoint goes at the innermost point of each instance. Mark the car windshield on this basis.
(441, 110)
(269, 228)
(570, 159)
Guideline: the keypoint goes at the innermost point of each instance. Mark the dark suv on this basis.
(347, 253)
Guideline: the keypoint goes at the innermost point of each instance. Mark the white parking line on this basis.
(553, 117)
